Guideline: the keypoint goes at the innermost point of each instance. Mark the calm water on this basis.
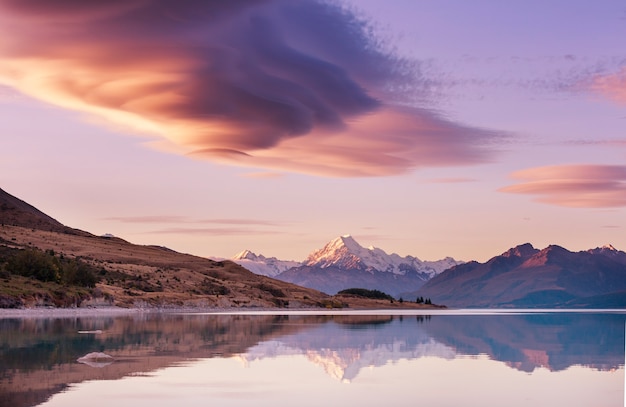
(462, 359)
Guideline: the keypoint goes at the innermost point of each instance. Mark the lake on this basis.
(366, 358)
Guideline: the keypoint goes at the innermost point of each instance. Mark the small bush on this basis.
(209, 287)
(274, 291)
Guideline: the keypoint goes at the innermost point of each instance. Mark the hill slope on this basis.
(125, 274)
(15, 212)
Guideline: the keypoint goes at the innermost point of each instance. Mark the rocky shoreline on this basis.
(87, 312)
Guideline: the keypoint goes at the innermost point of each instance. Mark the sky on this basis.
(424, 128)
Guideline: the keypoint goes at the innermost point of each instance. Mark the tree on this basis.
(76, 272)
(37, 264)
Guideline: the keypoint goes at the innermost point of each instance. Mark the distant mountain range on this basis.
(265, 266)
(343, 263)
(521, 277)
(527, 277)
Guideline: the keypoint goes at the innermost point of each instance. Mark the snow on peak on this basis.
(344, 252)
(345, 240)
(259, 264)
(248, 255)
(611, 252)
(606, 249)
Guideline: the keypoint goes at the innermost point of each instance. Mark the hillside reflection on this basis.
(38, 357)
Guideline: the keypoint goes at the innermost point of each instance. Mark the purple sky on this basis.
(446, 128)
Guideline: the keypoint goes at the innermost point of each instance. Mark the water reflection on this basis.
(39, 357)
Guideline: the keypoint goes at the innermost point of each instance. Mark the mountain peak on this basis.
(246, 255)
(606, 249)
(523, 250)
(342, 251)
(610, 252)
(345, 241)
(265, 266)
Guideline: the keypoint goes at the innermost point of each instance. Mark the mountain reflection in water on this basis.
(38, 357)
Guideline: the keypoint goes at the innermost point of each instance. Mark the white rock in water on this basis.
(96, 359)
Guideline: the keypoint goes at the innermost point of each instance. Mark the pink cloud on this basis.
(149, 219)
(612, 86)
(286, 86)
(214, 231)
(576, 186)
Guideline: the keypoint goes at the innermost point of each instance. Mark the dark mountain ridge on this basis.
(15, 212)
(526, 277)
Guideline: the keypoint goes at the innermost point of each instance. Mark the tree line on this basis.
(46, 266)
(379, 295)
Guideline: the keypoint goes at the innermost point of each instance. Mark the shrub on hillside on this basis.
(47, 267)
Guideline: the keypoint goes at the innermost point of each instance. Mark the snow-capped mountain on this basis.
(345, 253)
(343, 263)
(259, 264)
(610, 252)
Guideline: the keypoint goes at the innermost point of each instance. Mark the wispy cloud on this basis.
(171, 219)
(241, 222)
(471, 77)
(149, 219)
(292, 86)
(214, 231)
(577, 186)
(608, 142)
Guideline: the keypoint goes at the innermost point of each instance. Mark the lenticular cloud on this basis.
(576, 186)
(298, 86)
